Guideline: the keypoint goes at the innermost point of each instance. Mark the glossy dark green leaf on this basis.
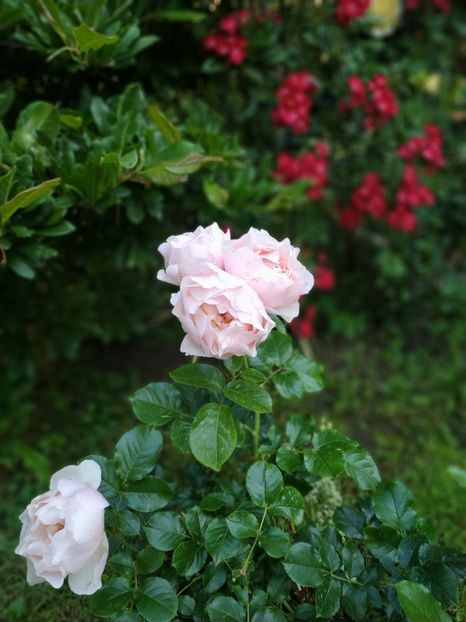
(269, 614)
(393, 506)
(127, 522)
(354, 601)
(219, 542)
(362, 468)
(419, 604)
(156, 600)
(242, 524)
(249, 395)
(299, 376)
(288, 459)
(326, 461)
(383, 543)
(264, 483)
(300, 429)
(112, 597)
(148, 494)
(214, 578)
(213, 436)
(303, 565)
(165, 531)
(136, 452)
(275, 542)
(328, 598)
(149, 560)
(200, 375)
(276, 350)
(353, 560)
(225, 609)
(289, 504)
(349, 521)
(157, 403)
(188, 558)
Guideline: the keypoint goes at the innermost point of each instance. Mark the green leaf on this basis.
(213, 436)
(326, 461)
(26, 198)
(188, 558)
(393, 506)
(181, 15)
(156, 600)
(136, 452)
(354, 601)
(288, 459)
(361, 467)
(175, 162)
(213, 578)
(219, 542)
(383, 543)
(225, 609)
(269, 614)
(127, 522)
(169, 131)
(264, 483)
(112, 597)
(458, 474)
(165, 531)
(418, 603)
(300, 429)
(249, 395)
(157, 403)
(148, 494)
(276, 350)
(6, 183)
(353, 560)
(275, 542)
(62, 228)
(149, 560)
(300, 376)
(21, 267)
(200, 375)
(40, 116)
(328, 598)
(214, 501)
(349, 521)
(216, 194)
(303, 565)
(89, 39)
(290, 505)
(242, 524)
(179, 433)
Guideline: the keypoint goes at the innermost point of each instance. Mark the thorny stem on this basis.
(188, 585)
(245, 567)
(256, 433)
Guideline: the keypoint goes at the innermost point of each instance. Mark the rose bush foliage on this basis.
(245, 544)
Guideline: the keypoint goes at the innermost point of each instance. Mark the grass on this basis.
(406, 406)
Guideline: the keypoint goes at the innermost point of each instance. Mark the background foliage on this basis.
(109, 142)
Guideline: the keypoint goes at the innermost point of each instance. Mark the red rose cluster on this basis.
(311, 165)
(230, 43)
(303, 327)
(375, 98)
(442, 5)
(294, 101)
(369, 199)
(349, 10)
(428, 147)
(411, 194)
(324, 277)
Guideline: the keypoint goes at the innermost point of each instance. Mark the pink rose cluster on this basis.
(228, 288)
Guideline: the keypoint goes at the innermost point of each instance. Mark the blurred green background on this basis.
(150, 135)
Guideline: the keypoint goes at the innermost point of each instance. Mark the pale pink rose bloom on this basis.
(221, 315)
(271, 268)
(184, 254)
(63, 531)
